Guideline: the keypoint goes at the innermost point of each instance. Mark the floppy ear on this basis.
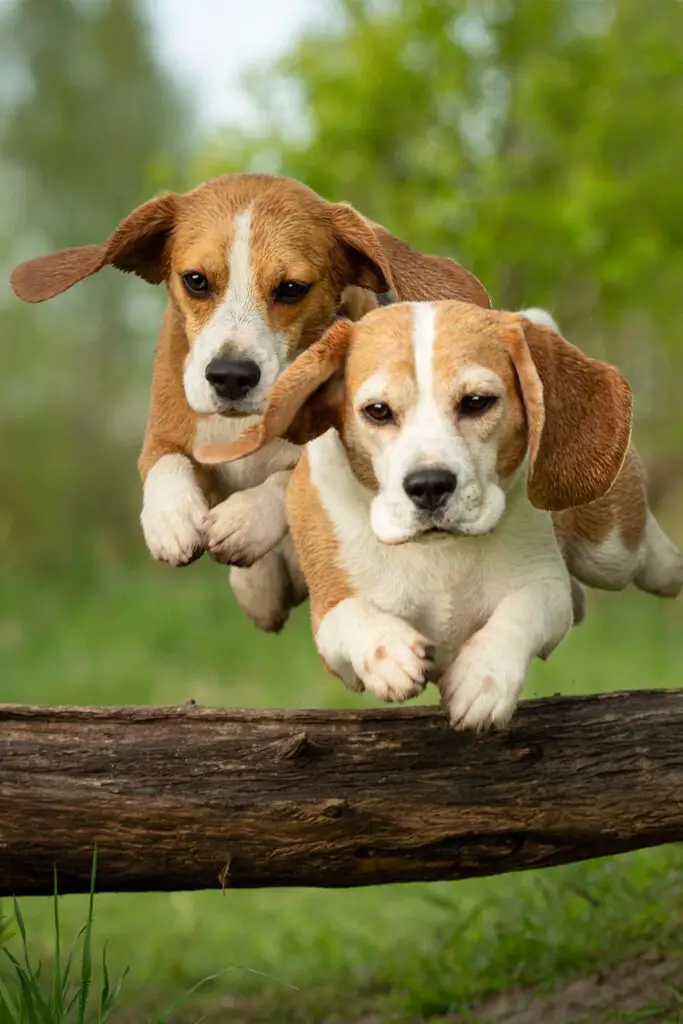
(138, 246)
(420, 278)
(303, 403)
(368, 263)
(383, 263)
(578, 415)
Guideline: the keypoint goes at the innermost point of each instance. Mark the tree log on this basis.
(196, 798)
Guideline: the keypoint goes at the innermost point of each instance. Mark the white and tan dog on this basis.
(257, 268)
(423, 522)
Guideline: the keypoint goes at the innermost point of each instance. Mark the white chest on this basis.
(252, 470)
(445, 587)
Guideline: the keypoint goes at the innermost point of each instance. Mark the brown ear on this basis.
(139, 246)
(368, 263)
(419, 278)
(578, 414)
(303, 403)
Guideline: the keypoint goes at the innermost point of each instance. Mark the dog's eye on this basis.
(475, 405)
(196, 284)
(378, 412)
(290, 291)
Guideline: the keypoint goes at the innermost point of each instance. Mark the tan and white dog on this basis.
(257, 268)
(423, 521)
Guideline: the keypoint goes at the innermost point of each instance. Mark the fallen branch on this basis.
(194, 798)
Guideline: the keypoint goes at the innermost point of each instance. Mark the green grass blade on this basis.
(57, 1005)
(67, 970)
(22, 929)
(29, 994)
(28, 978)
(7, 1003)
(113, 997)
(104, 995)
(86, 956)
(206, 981)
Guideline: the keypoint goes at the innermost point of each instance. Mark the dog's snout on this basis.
(429, 489)
(232, 378)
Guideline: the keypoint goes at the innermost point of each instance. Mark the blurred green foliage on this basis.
(88, 118)
(538, 142)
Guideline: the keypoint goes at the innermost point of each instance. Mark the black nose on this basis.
(232, 378)
(430, 488)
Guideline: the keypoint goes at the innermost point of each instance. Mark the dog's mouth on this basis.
(240, 408)
(425, 535)
(237, 414)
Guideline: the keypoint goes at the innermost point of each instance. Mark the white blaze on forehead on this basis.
(428, 437)
(238, 304)
(238, 329)
(424, 330)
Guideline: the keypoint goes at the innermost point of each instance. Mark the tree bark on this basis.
(195, 798)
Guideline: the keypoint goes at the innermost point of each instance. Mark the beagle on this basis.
(257, 268)
(424, 522)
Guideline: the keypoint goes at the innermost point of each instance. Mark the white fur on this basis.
(428, 437)
(173, 510)
(507, 592)
(247, 525)
(542, 317)
(656, 565)
(252, 470)
(661, 563)
(371, 650)
(608, 565)
(252, 519)
(237, 329)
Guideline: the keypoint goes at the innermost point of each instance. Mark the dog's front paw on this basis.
(374, 651)
(173, 510)
(396, 662)
(480, 690)
(242, 529)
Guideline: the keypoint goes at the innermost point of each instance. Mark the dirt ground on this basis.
(624, 989)
(602, 998)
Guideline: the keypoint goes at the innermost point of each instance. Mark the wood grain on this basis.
(192, 798)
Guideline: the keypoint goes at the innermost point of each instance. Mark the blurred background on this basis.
(539, 143)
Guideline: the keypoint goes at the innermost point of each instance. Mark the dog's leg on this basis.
(371, 650)
(263, 591)
(299, 590)
(249, 524)
(482, 687)
(175, 488)
(173, 509)
(578, 601)
(661, 563)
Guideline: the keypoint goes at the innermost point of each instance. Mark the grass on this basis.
(411, 953)
(28, 997)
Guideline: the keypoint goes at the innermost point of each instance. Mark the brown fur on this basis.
(624, 506)
(316, 545)
(419, 278)
(335, 247)
(579, 418)
(542, 375)
(572, 413)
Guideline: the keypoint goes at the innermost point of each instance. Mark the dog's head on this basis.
(257, 268)
(441, 405)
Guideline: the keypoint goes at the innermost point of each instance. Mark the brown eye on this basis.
(475, 405)
(290, 291)
(196, 283)
(379, 413)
